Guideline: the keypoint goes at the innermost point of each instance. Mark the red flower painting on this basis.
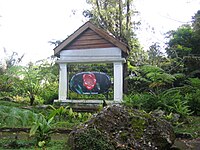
(89, 81)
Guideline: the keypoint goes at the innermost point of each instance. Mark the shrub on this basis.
(41, 128)
(92, 139)
(194, 102)
(149, 78)
(49, 92)
(171, 100)
(146, 101)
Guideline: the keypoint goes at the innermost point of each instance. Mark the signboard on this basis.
(90, 83)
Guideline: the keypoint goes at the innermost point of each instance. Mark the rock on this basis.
(122, 128)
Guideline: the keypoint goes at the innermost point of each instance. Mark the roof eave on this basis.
(70, 38)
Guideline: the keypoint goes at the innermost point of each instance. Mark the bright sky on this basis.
(163, 15)
(26, 26)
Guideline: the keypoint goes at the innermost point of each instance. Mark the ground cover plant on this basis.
(39, 124)
(16, 117)
(29, 145)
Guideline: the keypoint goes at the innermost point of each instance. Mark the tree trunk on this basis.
(125, 81)
(120, 20)
(128, 15)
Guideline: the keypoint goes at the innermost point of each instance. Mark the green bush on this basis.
(145, 101)
(49, 92)
(93, 139)
(194, 102)
(41, 129)
(66, 113)
(149, 78)
(171, 100)
(194, 95)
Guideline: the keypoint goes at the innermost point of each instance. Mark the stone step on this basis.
(85, 105)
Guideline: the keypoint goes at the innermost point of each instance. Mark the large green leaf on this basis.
(34, 129)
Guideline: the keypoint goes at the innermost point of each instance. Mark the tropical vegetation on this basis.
(165, 81)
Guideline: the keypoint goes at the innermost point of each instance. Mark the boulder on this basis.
(122, 128)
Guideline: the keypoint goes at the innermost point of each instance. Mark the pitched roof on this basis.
(84, 28)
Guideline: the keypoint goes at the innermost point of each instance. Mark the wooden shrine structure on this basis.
(90, 44)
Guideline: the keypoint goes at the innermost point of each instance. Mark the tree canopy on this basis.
(116, 17)
(180, 42)
(185, 40)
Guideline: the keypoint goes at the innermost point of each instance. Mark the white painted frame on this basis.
(98, 55)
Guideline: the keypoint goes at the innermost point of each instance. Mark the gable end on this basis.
(89, 36)
(87, 40)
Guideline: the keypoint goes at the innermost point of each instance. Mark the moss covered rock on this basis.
(119, 127)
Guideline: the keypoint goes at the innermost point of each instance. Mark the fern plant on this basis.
(150, 78)
(15, 117)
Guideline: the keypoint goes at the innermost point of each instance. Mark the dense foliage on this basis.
(37, 82)
(180, 44)
(185, 40)
(168, 84)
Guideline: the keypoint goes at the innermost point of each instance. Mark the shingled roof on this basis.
(90, 36)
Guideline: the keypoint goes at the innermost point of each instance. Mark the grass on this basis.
(29, 145)
(192, 127)
(22, 141)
